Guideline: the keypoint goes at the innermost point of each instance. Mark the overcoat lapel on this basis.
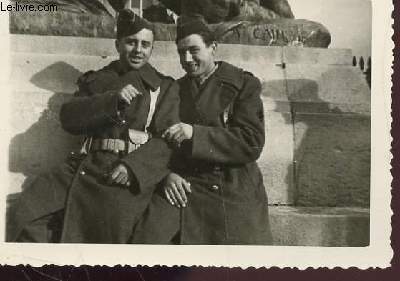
(218, 92)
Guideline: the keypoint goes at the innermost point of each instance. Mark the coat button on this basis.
(72, 153)
(215, 187)
(82, 173)
(123, 122)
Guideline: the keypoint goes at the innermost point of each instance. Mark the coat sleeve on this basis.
(243, 140)
(149, 163)
(88, 111)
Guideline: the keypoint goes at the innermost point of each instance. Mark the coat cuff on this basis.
(200, 147)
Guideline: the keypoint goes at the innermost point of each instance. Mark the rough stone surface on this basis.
(38, 142)
(53, 23)
(242, 30)
(325, 227)
(215, 11)
(166, 50)
(327, 88)
(51, 73)
(276, 160)
(278, 32)
(320, 56)
(332, 154)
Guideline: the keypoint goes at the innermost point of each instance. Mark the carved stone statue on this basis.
(216, 11)
(253, 22)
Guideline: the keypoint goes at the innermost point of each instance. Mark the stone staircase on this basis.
(316, 161)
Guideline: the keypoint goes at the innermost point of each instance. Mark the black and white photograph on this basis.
(184, 132)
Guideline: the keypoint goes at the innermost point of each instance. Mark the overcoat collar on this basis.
(229, 74)
(226, 73)
(215, 94)
(147, 73)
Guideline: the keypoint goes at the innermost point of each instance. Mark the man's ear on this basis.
(117, 42)
(214, 46)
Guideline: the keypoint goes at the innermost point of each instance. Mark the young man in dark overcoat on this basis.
(97, 195)
(215, 192)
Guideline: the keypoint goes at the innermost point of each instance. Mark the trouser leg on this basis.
(46, 229)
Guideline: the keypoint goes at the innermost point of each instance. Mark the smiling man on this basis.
(215, 192)
(121, 111)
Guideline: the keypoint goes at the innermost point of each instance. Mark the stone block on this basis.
(327, 88)
(276, 32)
(66, 45)
(321, 56)
(323, 227)
(169, 68)
(332, 158)
(276, 160)
(38, 142)
(51, 73)
(251, 54)
(274, 89)
(53, 23)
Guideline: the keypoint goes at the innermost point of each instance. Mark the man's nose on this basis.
(137, 48)
(188, 57)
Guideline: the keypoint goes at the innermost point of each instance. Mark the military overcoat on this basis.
(228, 202)
(96, 211)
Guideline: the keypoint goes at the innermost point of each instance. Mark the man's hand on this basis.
(175, 188)
(119, 175)
(178, 133)
(128, 93)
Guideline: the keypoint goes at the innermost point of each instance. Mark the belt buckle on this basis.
(111, 145)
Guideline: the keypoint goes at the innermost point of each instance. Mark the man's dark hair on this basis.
(207, 36)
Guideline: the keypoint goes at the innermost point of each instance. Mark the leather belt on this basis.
(136, 139)
(113, 145)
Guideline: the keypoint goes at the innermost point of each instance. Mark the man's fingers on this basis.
(174, 130)
(182, 192)
(168, 197)
(124, 180)
(186, 185)
(178, 196)
(170, 130)
(180, 138)
(133, 92)
(115, 174)
(121, 178)
(173, 198)
(176, 136)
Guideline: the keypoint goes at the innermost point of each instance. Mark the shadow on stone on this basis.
(331, 165)
(44, 145)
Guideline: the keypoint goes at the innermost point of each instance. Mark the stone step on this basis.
(320, 226)
(301, 226)
(167, 49)
(306, 88)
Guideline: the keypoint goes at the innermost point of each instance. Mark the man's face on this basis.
(196, 58)
(135, 50)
